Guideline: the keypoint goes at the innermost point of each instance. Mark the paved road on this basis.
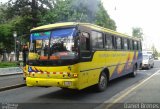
(57, 98)
(11, 80)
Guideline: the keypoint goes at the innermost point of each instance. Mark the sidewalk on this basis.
(10, 71)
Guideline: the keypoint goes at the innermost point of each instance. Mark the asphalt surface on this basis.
(147, 92)
(11, 80)
(56, 98)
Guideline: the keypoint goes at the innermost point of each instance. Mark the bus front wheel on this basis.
(103, 82)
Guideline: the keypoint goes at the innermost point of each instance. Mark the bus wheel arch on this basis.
(140, 66)
(106, 71)
(134, 72)
(136, 65)
(103, 80)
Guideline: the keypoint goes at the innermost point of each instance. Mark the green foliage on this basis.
(22, 15)
(78, 11)
(6, 33)
(5, 39)
(8, 64)
(2, 13)
(137, 32)
(103, 19)
(155, 52)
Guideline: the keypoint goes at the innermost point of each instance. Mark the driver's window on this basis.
(85, 44)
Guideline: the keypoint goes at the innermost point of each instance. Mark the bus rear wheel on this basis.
(103, 82)
(134, 72)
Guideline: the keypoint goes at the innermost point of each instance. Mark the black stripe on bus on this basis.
(101, 67)
(91, 69)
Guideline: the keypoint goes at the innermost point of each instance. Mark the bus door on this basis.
(84, 54)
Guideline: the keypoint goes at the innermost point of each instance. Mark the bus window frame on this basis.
(135, 45)
(128, 41)
(118, 49)
(122, 43)
(86, 30)
(125, 41)
(97, 47)
(131, 45)
(109, 37)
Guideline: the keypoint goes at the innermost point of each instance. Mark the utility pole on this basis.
(15, 52)
(34, 12)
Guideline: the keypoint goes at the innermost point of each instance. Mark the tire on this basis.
(140, 68)
(152, 65)
(134, 72)
(103, 82)
(65, 89)
(149, 66)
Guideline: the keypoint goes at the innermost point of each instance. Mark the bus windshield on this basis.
(58, 43)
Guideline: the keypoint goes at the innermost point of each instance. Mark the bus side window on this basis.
(125, 44)
(135, 45)
(131, 45)
(85, 44)
(97, 40)
(139, 46)
(108, 42)
(122, 43)
(128, 44)
(118, 43)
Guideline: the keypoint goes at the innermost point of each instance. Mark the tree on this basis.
(155, 52)
(23, 15)
(6, 34)
(78, 11)
(103, 19)
(2, 13)
(137, 32)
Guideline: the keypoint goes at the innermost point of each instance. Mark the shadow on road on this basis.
(69, 94)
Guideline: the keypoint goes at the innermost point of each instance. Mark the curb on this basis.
(10, 70)
(12, 87)
(11, 74)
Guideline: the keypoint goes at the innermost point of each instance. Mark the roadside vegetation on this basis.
(23, 15)
(8, 64)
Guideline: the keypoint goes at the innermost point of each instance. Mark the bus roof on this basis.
(95, 27)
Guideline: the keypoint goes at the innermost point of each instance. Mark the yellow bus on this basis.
(78, 55)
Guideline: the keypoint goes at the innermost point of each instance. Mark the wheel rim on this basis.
(135, 71)
(102, 82)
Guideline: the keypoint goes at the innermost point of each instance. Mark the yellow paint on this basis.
(88, 72)
(86, 77)
(33, 56)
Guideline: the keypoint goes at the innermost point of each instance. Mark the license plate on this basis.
(67, 83)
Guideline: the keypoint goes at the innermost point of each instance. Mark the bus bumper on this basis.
(66, 83)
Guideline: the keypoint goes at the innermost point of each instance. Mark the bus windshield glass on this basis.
(58, 43)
